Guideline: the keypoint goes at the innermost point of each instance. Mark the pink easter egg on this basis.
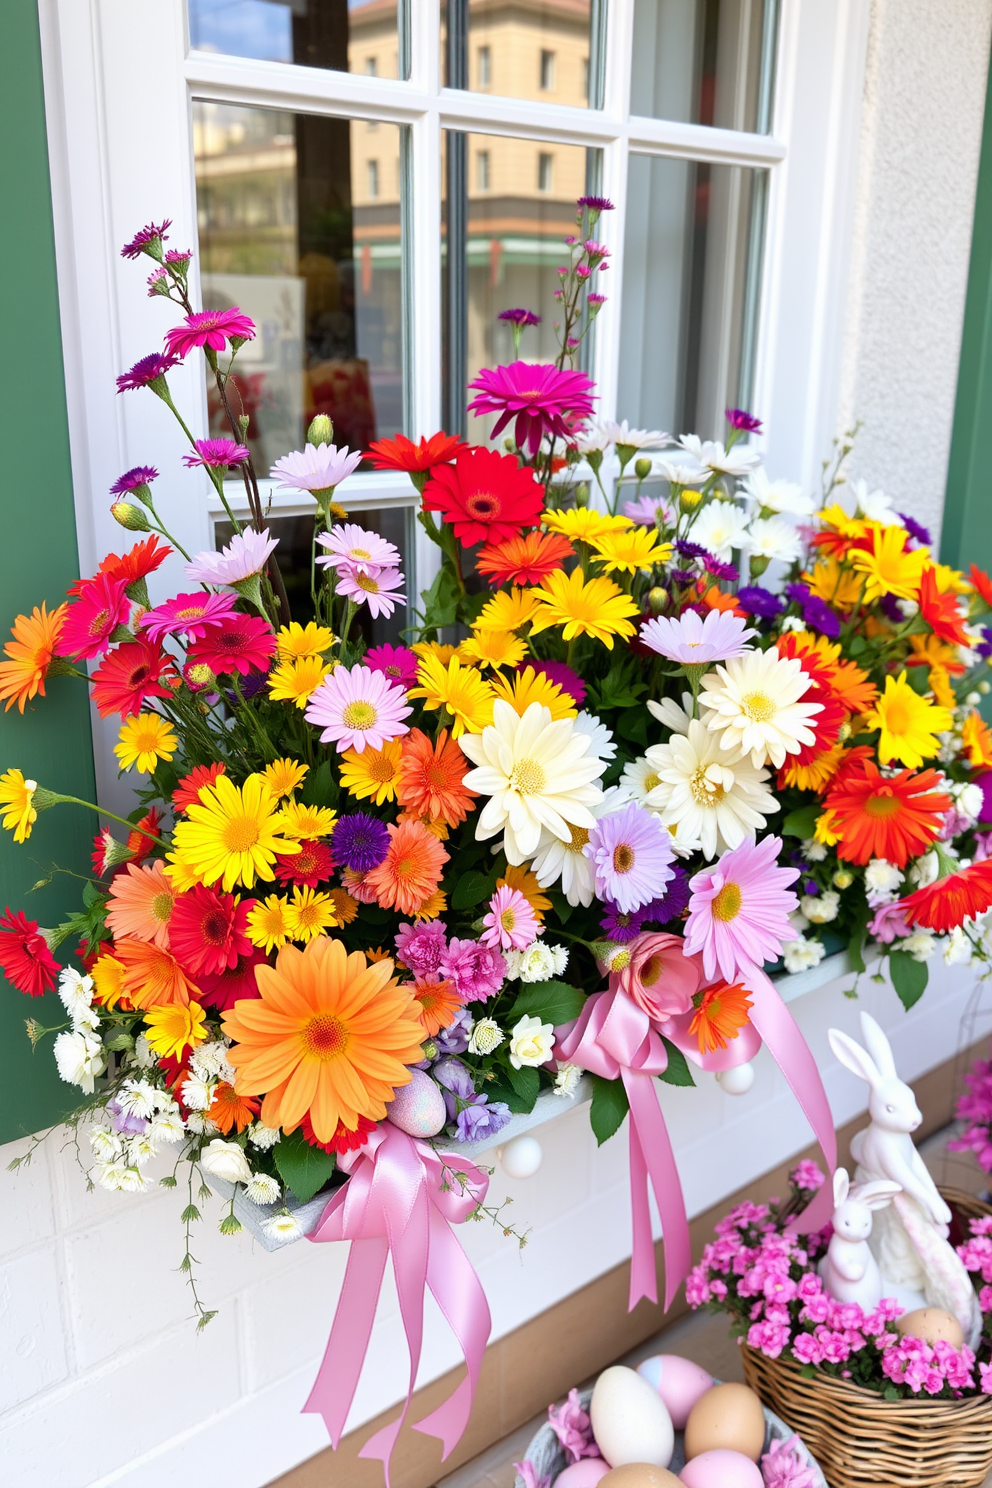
(584, 1474)
(721, 1469)
(679, 1382)
(418, 1108)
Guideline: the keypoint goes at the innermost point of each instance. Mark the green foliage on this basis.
(909, 977)
(552, 1002)
(472, 889)
(441, 601)
(678, 1072)
(526, 1084)
(320, 788)
(609, 1107)
(303, 1169)
(801, 823)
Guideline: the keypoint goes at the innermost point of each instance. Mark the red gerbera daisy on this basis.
(312, 865)
(526, 558)
(947, 903)
(893, 817)
(207, 930)
(221, 990)
(487, 497)
(144, 558)
(139, 844)
(982, 583)
(130, 675)
(827, 724)
(101, 606)
(108, 852)
(25, 958)
(242, 644)
(402, 454)
(343, 1140)
(187, 792)
(940, 611)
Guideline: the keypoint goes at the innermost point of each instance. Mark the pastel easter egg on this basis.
(418, 1108)
(933, 1325)
(679, 1382)
(638, 1475)
(588, 1473)
(630, 1421)
(721, 1469)
(729, 1417)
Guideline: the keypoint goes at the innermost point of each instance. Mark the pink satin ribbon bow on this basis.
(401, 1199)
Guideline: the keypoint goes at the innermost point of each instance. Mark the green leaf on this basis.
(319, 788)
(856, 645)
(609, 1107)
(801, 823)
(471, 889)
(561, 906)
(441, 601)
(552, 1002)
(470, 606)
(856, 949)
(633, 725)
(426, 521)
(303, 1169)
(497, 1090)
(678, 1072)
(909, 977)
(527, 1084)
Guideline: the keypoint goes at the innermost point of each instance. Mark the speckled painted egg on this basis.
(933, 1325)
(418, 1108)
(679, 1382)
(721, 1469)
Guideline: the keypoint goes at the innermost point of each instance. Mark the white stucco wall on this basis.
(921, 132)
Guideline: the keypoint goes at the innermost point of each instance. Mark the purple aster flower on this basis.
(479, 1119)
(218, 453)
(251, 684)
(915, 529)
(695, 641)
(630, 852)
(682, 578)
(815, 612)
(454, 1038)
(397, 663)
(889, 606)
(812, 888)
(622, 925)
(138, 478)
(593, 203)
(148, 240)
(738, 418)
(125, 1122)
(150, 370)
(520, 317)
(421, 946)
(562, 675)
(690, 549)
(179, 258)
(760, 602)
(360, 842)
(719, 570)
(595, 300)
(672, 904)
(984, 648)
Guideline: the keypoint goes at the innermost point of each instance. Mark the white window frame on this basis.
(119, 85)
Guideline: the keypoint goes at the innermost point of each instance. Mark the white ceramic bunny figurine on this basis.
(849, 1270)
(909, 1238)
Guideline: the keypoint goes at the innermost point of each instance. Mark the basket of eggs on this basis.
(666, 1424)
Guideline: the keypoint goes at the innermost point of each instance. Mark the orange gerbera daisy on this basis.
(940, 611)
(141, 901)
(432, 777)
(721, 1013)
(328, 1035)
(982, 583)
(30, 654)
(411, 869)
(875, 816)
(526, 558)
(230, 1111)
(930, 651)
(152, 975)
(977, 740)
(715, 599)
(950, 901)
(521, 878)
(438, 1002)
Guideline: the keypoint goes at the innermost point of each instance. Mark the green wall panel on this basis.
(51, 743)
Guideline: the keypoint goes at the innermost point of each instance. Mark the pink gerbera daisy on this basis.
(242, 644)
(209, 328)
(398, 663)
(739, 910)
(542, 398)
(511, 923)
(357, 707)
(192, 615)
(246, 554)
(90, 622)
(217, 454)
(355, 548)
(375, 587)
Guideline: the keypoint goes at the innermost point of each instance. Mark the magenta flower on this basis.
(694, 641)
(357, 707)
(540, 398)
(398, 663)
(211, 328)
(806, 1176)
(573, 1428)
(148, 240)
(421, 947)
(739, 910)
(478, 971)
(595, 204)
(245, 555)
(595, 300)
(596, 250)
(631, 852)
(245, 643)
(353, 546)
(146, 373)
(138, 478)
(520, 317)
(90, 622)
(192, 615)
(746, 422)
(375, 587)
(511, 923)
(560, 674)
(217, 454)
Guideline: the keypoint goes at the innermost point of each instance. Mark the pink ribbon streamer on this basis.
(615, 1039)
(401, 1199)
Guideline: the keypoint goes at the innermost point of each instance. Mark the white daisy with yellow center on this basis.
(753, 703)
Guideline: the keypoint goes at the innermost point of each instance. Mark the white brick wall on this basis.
(103, 1379)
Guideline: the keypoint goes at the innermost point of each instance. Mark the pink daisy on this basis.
(148, 240)
(243, 643)
(217, 453)
(209, 328)
(739, 910)
(246, 554)
(510, 924)
(353, 546)
(102, 605)
(357, 707)
(541, 398)
(694, 641)
(375, 587)
(398, 663)
(192, 615)
(318, 467)
(648, 511)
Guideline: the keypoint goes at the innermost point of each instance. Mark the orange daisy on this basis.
(432, 777)
(438, 1002)
(715, 599)
(187, 792)
(947, 903)
(814, 774)
(940, 611)
(931, 651)
(721, 1013)
(410, 871)
(30, 654)
(328, 1035)
(982, 583)
(231, 1111)
(141, 901)
(895, 817)
(521, 878)
(977, 740)
(152, 975)
(526, 558)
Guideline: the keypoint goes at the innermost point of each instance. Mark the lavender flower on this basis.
(479, 1119)
(125, 1122)
(454, 1039)
(670, 905)
(760, 602)
(622, 925)
(916, 529)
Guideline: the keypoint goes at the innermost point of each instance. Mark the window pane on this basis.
(513, 202)
(692, 263)
(538, 50)
(299, 224)
(345, 35)
(704, 61)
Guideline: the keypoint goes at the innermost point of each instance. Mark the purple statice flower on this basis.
(148, 240)
(622, 925)
(479, 1119)
(421, 946)
(454, 1039)
(217, 454)
(562, 675)
(520, 317)
(889, 606)
(759, 602)
(125, 1122)
(739, 418)
(476, 970)
(815, 611)
(146, 372)
(573, 1428)
(593, 203)
(360, 842)
(915, 529)
(672, 904)
(131, 480)
(717, 569)
(689, 549)
(398, 663)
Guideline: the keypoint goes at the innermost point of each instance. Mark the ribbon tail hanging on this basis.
(652, 1156)
(337, 1378)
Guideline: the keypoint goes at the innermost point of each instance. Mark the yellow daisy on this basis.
(374, 774)
(834, 583)
(231, 834)
(909, 724)
(174, 1027)
(824, 831)
(948, 579)
(626, 552)
(284, 775)
(494, 648)
(597, 608)
(583, 523)
(268, 923)
(144, 740)
(837, 519)
(17, 803)
(889, 568)
(306, 823)
(108, 980)
(459, 689)
(520, 689)
(309, 912)
(508, 611)
(345, 907)
(432, 907)
(294, 681)
(295, 640)
(434, 648)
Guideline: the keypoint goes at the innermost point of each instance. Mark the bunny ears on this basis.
(874, 1195)
(873, 1063)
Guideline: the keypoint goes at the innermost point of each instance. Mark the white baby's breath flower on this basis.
(920, 945)
(262, 1189)
(282, 1226)
(566, 1079)
(801, 954)
(198, 1095)
(531, 1042)
(210, 1061)
(486, 1037)
(264, 1137)
(79, 1058)
(813, 851)
(820, 909)
(958, 949)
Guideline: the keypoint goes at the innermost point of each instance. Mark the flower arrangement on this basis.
(974, 1108)
(760, 1274)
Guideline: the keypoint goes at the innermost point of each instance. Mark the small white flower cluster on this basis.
(79, 1056)
(143, 1118)
(208, 1067)
(537, 963)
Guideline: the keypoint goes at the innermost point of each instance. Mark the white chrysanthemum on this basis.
(801, 954)
(874, 505)
(131, 1181)
(820, 909)
(798, 921)
(969, 800)
(138, 1098)
(143, 1053)
(560, 954)
(882, 882)
(262, 1189)
(200, 1124)
(539, 776)
(920, 945)
(709, 794)
(754, 701)
(681, 471)
(771, 537)
(76, 993)
(720, 528)
(486, 1037)
(79, 1058)
(535, 964)
(141, 1149)
(106, 1144)
(198, 1095)
(740, 460)
(282, 1227)
(926, 869)
(567, 1079)
(958, 949)
(567, 861)
(109, 1175)
(167, 1127)
(601, 741)
(210, 1062)
(264, 1137)
(777, 496)
(813, 851)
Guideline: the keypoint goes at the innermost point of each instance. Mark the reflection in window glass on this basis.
(515, 204)
(344, 35)
(299, 224)
(529, 50)
(692, 263)
(704, 61)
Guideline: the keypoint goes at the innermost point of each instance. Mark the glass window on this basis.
(692, 266)
(300, 224)
(704, 61)
(345, 35)
(526, 50)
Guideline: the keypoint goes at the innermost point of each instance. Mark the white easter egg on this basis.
(630, 1421)
(418, 1108)
(737, 1081)
(721, 1469)
(521, 1157)
(678, 1381)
